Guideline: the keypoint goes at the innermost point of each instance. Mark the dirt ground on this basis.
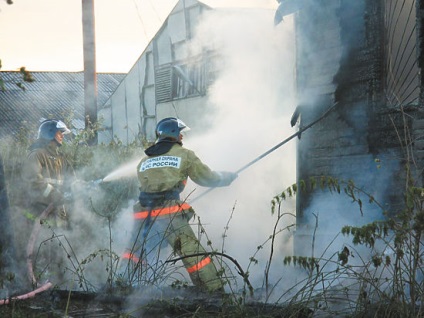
(52, 304)
(62, 303)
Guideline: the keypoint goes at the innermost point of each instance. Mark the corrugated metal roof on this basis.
(52, 94)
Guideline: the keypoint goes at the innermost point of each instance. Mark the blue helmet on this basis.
(170, 127)
(50, 127)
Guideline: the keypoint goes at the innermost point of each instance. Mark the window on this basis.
(188, 81)
(177, 80)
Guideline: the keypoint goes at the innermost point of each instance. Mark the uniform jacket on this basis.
(44, 171)
(169, 171)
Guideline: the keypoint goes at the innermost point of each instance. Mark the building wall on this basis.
(348, 54)
(154, 88)
(418, 124)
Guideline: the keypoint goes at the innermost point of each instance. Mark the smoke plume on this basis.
(252, 101)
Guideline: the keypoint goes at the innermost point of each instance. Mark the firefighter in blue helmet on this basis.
(162, 175)
(45, 171)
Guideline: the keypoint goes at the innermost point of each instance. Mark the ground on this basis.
(62, 303)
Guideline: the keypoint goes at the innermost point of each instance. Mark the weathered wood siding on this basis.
(145, 95)
(359, 54)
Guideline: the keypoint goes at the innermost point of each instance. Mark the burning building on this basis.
(364, 57)
(357, 67)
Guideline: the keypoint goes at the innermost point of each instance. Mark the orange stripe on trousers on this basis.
(199, 265)
(162, 211)
(131, 257)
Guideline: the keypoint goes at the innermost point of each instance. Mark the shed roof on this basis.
(50, 95)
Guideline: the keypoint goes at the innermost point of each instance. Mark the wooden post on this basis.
(90, 76)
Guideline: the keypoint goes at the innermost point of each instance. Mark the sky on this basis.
(46, 35)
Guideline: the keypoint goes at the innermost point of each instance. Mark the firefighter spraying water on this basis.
(162, 175)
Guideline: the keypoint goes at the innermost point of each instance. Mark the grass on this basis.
(379, 274)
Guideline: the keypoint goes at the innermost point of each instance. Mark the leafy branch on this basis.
(26, 76)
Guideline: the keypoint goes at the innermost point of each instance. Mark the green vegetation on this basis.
(379, 274)
(26, 77)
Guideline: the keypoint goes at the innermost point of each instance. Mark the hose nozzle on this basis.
(96, 182)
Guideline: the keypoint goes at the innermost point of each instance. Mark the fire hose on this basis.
(35, 232)
(266, 153)
(29, 254)
(29, 251)
(31, 294)
(32, 239)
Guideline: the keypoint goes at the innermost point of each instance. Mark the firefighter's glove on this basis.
(62, 213)
(62, 219)
(56, 197)
(227, 177)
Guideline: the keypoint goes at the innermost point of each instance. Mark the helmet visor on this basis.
(182, 125)
(62, 127)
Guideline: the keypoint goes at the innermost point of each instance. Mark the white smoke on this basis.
(253, 99)
(127, 170)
